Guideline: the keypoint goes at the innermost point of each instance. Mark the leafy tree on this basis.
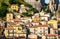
(15, 11)
(51, 13)
(44, 8)
(34, 10)
(3, 8)
(48, 10)
(59, 11)
(3, 12)
(28, 5)
(4, 5)
(36, 0)
(12, 1)
(21, 1)
(24, 14)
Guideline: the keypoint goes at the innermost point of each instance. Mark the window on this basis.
(38, 37)
(44, 32)
(10, 31)
(36, 0)
(19, 28)
(40, 28)
(32, 32)
(14, 7)
(46, 28)
(51, 37)
(48, 37)
(10, 35)
(40, 32)
(55, 37)
(9, 15)
(56, 32)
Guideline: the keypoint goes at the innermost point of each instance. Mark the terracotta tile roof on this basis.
(51, 35)
(55, 29)
(42, 25)
(22, 36)
(32, 26)
(13, 26)
(34, 23)
(17, 20)
(38, 26)
(12, 23)
(10, 28)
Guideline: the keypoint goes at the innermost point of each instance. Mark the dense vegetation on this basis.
(3, 10)
(4, 4)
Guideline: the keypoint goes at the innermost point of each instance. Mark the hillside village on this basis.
(22, 23)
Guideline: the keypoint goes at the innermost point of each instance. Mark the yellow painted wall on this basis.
(36, 19)
(54, 22)
(16, 31)
(6, 32)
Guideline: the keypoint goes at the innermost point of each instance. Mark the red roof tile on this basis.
(10, 28)
(55, 29)
(51, 35)
(38, 26)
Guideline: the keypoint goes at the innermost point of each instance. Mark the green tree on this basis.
(4, 5)
(44, 8)
(27, 5)
(25, 14)
(34, 10)
(51, 13)
(36, 0)
(3, 12)
(21, 1)
(15, 2)
(59, 11)
(12, 1)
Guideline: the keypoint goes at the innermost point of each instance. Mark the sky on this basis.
(47, 1)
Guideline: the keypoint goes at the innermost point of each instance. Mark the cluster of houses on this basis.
(39, 26)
